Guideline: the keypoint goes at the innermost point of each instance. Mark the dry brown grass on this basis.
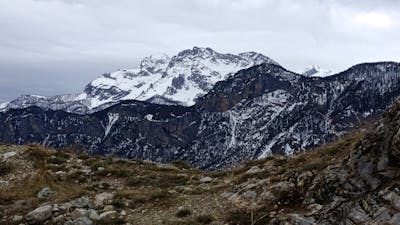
(326, 155)
(313, 160)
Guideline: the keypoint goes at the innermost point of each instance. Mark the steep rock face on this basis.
(365, 187)
(130, 129)
(353, 181)
(267, 110)
(257, 112)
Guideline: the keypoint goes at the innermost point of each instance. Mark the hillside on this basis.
(351, 181)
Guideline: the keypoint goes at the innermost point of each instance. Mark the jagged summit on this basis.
(316, 71)
(154, 63)
(182, 78)
(197, 51)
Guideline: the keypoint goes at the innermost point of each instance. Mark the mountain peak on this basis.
(181, 79)
(316, 71)
(258, 58)
(197, 51)
(155, 62)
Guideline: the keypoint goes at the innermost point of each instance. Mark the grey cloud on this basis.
(56, 46)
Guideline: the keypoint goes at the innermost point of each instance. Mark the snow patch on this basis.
(112, 119)
(316, 71)
(3, 105)
(233, 122)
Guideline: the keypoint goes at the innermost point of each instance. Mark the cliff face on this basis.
(353, 181)
(365, 187)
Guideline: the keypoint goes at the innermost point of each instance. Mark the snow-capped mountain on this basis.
(161, 79)
(70, 103)
(316, 71)
(257, 112)
(179, 79)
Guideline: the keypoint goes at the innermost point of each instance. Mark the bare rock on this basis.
(82, 202)
(93, 215)
(108, 208)
(8, 155)
(39, 215)
(45, 193)
(250, 195)
(82, 221)
(103, 198)
(253, 170)
(206, 179)
(107, 214)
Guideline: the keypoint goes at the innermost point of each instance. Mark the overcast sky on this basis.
(52, 47)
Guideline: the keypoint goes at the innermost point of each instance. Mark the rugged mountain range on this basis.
(176, 80)
(352, 181)
(257, 112)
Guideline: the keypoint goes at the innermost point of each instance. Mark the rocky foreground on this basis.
(352, 181)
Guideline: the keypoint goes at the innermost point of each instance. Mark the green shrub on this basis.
(118, 202)
(5, 168)
(204, 219)
(183, 213)
(57, 160)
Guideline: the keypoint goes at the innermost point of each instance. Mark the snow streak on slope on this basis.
(3, 106)
(233, 122)
(112, 118)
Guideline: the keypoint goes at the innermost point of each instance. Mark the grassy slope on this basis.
(152, 193)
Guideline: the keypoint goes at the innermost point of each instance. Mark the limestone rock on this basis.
(8, 155)
(82, 221)
(206, 179)
(253, 170)
(39, 215)
(45, 192)
(107, 214)
(103, 198)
